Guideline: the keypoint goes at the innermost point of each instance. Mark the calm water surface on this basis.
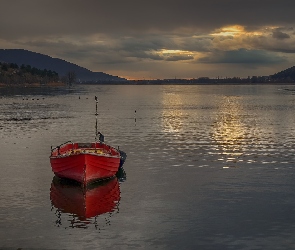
(208, 167)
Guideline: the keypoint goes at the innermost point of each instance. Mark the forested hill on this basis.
(285, 75)
(11, 74)
(40, 61)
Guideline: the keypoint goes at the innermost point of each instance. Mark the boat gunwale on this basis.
(82, 150)
(83, 153)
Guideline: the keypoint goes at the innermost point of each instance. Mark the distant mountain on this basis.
(62, 67)
(285, 75)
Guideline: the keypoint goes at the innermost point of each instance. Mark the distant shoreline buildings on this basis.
(201, 81)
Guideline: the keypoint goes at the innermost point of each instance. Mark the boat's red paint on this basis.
(85, 162)
(85, 202)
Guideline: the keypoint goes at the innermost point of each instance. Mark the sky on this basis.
(156, 39)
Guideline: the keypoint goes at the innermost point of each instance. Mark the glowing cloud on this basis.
(175, 55)
(229, 31)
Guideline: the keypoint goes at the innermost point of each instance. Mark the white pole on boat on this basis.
(101, 137)
(96, 101)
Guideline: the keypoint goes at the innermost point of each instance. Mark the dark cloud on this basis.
(243, 56)
(33, 17)
(142, 43)
(280, 35)
(195, 43)
(285, 50)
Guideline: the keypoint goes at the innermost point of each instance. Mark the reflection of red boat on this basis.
(85, 162)
(96, 199)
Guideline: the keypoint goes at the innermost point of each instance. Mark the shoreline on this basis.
(58, 84)
(184, 84)
(32, 85)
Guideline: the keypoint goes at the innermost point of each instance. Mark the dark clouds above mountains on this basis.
(185, 36)
(91, 17)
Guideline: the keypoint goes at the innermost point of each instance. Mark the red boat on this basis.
(86, 162)
(84, 203)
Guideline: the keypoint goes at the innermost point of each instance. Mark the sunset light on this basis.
(169, 52)
(238, 30)
(229, 31)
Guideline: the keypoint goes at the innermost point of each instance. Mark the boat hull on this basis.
(85, 168)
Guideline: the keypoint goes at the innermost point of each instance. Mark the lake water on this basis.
(208, 167)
